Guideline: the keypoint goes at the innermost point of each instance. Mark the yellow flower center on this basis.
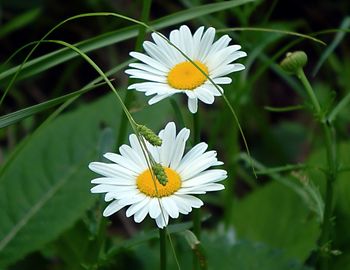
(187, 76)
(146, 185)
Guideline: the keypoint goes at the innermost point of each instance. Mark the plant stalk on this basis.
(324, 242)
(162, 248)
(196, 216)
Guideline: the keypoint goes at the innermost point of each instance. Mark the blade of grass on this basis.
(284, 109)
(19, 22)
(336, 41)
(279, 31)
(16, 116)
(49, 60)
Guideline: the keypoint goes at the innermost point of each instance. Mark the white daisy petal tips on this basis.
(128, 182)
(168, 72)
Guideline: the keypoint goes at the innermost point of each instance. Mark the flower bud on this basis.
(294, 61)
(160, 174)
(149, 135)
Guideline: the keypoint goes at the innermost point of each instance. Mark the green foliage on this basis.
(45, 62)
(223, 251)
(50, 191)
(342, 203)
(275, 214)
(247, 255)
(49, 218)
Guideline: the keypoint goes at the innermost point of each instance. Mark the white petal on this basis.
(223, 80)
(167, 49)
(179, 147)
(196, 42)
(148, 68)
(224, 70)
(221, 57)
(137, 154)
(154, 208)
(186, 41)
(162, 220)
(195, 166)
(110, 170)
(140, 74)
(111, 188)
(124, 162)
(168, 138)
(156, 53)
(137, 206)
(149, 61)
(127, 181)
(193, 105)
(194, 153)
(201, 189)
(191, 200)
(206, 42)
(170, 207)
(205, 178)
(158, 98)
(219, 44)
(183, 206)
(204, 95)
(112, 208)
(132, 199)
(141, 214)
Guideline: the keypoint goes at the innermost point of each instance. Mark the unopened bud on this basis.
(149, 135)
(294, 61)
(160, 174)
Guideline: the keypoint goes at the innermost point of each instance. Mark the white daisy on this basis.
(128, 182)
(168, 72)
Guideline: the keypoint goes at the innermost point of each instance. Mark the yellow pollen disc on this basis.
(146, 185)
(187, 76)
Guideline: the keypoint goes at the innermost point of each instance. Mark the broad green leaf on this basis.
(45, 187)
(275, 215)
(223, 253)
(49, 60)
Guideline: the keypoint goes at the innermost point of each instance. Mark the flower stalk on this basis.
(294, 63)
(162, 243)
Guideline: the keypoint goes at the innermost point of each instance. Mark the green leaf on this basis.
(341, 237)
(275, 215)
(45, 188)
(19, 22)
(336, 41)
(222, 251)
(226, 253)
(16, 116)
(49, 60)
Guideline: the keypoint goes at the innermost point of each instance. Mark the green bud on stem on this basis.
(294, 61)
(160, 174)
(149, 135)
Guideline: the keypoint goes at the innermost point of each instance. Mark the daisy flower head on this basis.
(166, 71)
(127, 181)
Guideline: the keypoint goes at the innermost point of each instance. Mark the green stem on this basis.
(301, 75)
(324, 242)
(232, 150)
(129, 96)
(162, 248)
(196, 211)
(326, 228)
